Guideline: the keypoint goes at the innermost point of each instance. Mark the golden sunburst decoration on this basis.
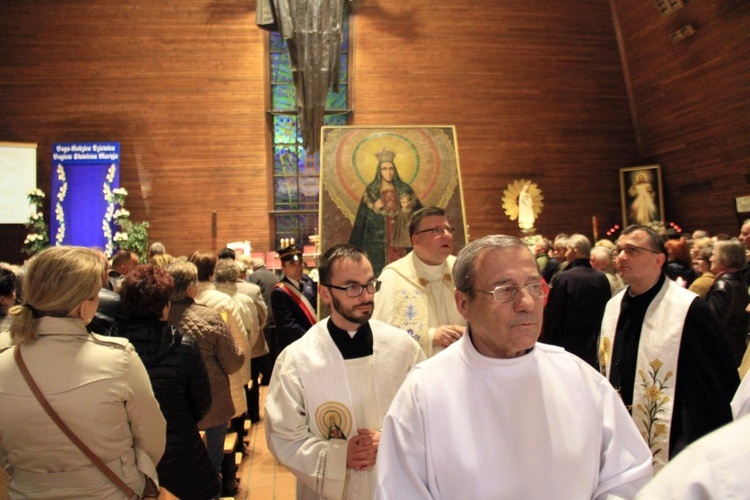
(533, 203)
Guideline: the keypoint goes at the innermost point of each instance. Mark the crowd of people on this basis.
(611, 370)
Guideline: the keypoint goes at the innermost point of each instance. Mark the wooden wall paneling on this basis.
(179, 84)
(691, 100)
(534, 91)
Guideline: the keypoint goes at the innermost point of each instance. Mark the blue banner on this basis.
(83, 177)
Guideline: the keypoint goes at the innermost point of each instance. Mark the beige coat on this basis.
(253, 291)
(100, 388)
(250, 317)
(222, 303)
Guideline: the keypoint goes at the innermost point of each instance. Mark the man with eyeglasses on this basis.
(664, 351)
(501, 416)
(576, 303)
(417, 290)
(331, 389)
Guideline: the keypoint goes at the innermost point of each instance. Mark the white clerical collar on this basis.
(494, 367)
(431, 273)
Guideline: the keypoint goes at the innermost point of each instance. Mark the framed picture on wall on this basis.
(374, 178)
(641, 195)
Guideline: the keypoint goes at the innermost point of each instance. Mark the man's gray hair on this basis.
(465, 271)
(602, 254)
(227, 271)
(156, 248)
(184, 274)
(580, 243)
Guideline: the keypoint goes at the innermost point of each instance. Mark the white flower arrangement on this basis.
(59, 212)
(109, 248)
(37, 238)
(36, 195)
(131, 236)
(111, 173)
(121, 213)
(30, 238)
(120, 237)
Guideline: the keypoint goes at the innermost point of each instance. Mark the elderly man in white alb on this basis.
(417, 290)
(330, 389)
(499, 415)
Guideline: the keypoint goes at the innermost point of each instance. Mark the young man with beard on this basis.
(330, 389)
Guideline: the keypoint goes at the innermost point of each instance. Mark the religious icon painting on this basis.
(374, 178)
(641, 195)
(334, 420)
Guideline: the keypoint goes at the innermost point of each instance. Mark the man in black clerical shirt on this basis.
(331, 389)
(663, 349)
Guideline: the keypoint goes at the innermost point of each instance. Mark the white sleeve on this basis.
(741, 401)
(318, 463)
(625, 458)
(402, 465)
(715, 466)
(383, 310)
(147, 423)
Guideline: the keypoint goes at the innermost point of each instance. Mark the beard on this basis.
(351, 313)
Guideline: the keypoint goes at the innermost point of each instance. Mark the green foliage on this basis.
(37, 238)
(137, 238)
(132, 236)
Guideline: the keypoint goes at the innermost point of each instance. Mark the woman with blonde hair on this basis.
(97, 386)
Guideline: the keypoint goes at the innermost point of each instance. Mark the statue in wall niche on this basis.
(522, 200)
(525, 209)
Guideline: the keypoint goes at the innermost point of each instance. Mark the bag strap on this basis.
(66, 430)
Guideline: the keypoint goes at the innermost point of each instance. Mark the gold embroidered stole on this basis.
(656, 366)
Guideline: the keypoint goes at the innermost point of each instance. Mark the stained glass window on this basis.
(296, 174)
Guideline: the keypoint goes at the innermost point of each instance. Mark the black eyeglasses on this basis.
(357, 290)
(508, 293)
(437, 231)
(631, 250)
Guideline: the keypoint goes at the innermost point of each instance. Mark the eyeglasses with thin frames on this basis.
(437, 231)
(508, 293)
(354, 291)
(631, 251)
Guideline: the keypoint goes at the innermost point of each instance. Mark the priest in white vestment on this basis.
(498, 415)
(417, 290)
(714, 467)
(331, 389)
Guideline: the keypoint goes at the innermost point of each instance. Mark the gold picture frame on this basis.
(352, 190)
(641, 195)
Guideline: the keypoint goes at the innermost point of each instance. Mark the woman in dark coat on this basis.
(178, 377)
(728, 297)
